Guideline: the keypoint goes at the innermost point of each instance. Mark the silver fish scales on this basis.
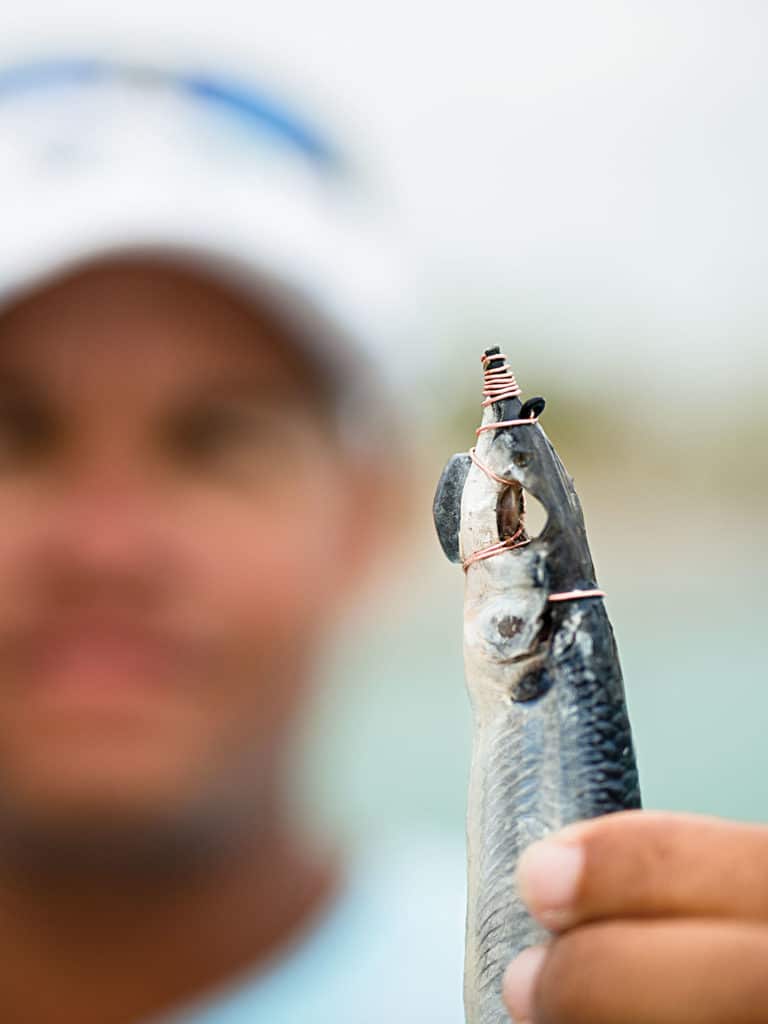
(552, 740)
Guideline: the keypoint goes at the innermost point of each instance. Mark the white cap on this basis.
(99, 157)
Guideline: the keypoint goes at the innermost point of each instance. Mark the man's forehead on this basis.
(159, 323)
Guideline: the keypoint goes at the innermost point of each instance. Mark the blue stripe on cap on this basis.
(20, 78)
(266, 113)
(253, 108)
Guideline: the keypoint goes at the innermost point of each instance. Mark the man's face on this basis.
(177, 525)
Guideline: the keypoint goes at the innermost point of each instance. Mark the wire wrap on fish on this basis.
(498, 381)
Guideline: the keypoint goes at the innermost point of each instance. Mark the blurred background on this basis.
(583, 184)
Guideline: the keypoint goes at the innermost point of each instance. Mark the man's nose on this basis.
(107, 523)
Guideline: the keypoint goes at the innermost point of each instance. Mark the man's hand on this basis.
(659, 919)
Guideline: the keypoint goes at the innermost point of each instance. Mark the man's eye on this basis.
(224, 433)
(25, 431)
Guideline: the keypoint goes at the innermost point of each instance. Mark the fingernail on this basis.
(548, 876)
(519, 980)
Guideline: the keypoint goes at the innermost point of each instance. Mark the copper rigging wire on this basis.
(508, 423)
(508, 544)
(496, 549)
(500, 383)
(488, 471)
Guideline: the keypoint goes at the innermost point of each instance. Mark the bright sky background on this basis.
(588, 179)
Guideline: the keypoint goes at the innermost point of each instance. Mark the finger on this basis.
(635, 863)
(644, 972)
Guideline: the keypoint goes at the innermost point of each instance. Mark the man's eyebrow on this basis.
(241, 388)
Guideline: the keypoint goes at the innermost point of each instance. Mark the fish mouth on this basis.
(520, 516)
(510, 513)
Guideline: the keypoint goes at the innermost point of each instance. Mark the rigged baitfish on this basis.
(552, 741)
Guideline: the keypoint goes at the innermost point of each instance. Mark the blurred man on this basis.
(193, 482)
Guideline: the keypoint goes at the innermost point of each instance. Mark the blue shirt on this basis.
(390, 949)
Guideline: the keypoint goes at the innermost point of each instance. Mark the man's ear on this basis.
(380, 507)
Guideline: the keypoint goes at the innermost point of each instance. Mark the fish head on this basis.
(524, 456)
(513, 458)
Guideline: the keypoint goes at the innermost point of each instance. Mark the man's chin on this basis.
(124, 821)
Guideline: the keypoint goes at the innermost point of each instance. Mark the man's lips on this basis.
(99, 662)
